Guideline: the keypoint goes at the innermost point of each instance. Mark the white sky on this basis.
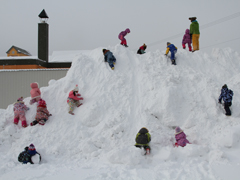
(82, 25)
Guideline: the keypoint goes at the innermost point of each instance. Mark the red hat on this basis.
(41, 102)
(31, 147)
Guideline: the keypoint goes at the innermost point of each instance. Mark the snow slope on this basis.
(143, 91)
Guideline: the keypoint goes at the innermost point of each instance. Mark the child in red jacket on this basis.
(73, 99)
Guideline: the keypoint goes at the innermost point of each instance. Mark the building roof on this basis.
(19, 50)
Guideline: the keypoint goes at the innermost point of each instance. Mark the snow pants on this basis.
(123, 40)
(189, 46)
(19, 115)
(173, 54)
(227, 109)
(72, 103)
(195, 41)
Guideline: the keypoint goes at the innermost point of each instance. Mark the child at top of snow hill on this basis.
(142, 139)
(122, 35)
(19, 112)
(180, 137)
(28, 155)
(142, 49)
(74, 99)
(173, 50)
(226, 95)
(187, 40)
(109, 57)
(42, 113)
(35, 93)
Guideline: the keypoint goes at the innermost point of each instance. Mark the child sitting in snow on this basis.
(187, 40)
(42, 113)
(109, 57)
(173, 50)
(73, 99)
(35, 93)
(19, 112)
(180, 137)
(29, 155)
(142, 49)
(142, 139)
(122, 35)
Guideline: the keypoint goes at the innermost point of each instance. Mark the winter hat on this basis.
(20, 99)
(168, 43)
(224, 86)
(103, 50)
(31, 147)
(127, 30)
(178, 130)
(76, 88)
(192, 18)
(41, 102)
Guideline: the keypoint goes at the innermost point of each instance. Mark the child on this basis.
(35, 93)
(226, 95)
(19, 112)
(142, 139)
(122, 35)
(142, 49)
(109, 57)
(42, 113)
(187, 40)
(180, 137)
(73, 100)
(173, 50)
(28, 155)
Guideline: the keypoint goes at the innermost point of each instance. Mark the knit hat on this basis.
(20, 99)
(31, 147)
(178, 130)
(41, 102)
(76, 88)
(224, 86)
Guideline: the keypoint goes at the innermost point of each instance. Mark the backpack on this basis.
(24, 157)
(142, 139)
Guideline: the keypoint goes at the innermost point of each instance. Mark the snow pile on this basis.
(143, 91)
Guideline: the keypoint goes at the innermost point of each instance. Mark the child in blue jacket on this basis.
(226, 95)
(109, 57)
(173, 50)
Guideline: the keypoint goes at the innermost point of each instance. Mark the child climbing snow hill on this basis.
(19, 112)
(187, 40)
(226, 95)
(180, 137)
(142, 139)
(109, 57)
(173, 50)
(28, 155)
(42, 113)
(74, 100)
(35, 93)
(122, 35)
(142, 49)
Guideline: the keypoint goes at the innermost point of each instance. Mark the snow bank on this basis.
(143, 91)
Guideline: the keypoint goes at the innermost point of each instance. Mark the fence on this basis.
(16, 83)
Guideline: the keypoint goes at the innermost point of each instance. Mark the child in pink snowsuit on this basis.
(187, 40)
(122, 35)
(180, 137)
(73, 100)
(35, 93)
(19, 112)
(42, 113)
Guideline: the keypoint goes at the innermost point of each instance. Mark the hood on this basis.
(143, 131)
(127, 30)
(34, 85)
(187, 31)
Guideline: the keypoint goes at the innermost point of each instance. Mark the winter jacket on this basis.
(26, 156)
(123, 34)
(109, 57)
(42, 113)
(171, 48)
(143, 137)
(226, 95)
(181, 139)
(141, 50)
(194, 27)
(20, 107)
(71, 96)
(35, 91)
(187, 37)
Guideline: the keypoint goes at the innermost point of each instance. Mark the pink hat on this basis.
(178, 130)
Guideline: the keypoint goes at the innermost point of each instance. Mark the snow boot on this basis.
(24, 124)
(70, 112)
(173, 62)
(16, 120)
(42, 122)
(190, 48)
(112, 68)
(147, 151)
(34, 123)
(79, 105)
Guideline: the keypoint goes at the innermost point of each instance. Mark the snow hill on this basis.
(143, 91)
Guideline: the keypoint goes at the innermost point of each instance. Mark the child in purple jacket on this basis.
(19, 112)
(180, 137)
(187, 40)
(122, 35)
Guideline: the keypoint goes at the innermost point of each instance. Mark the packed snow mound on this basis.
(142, 91)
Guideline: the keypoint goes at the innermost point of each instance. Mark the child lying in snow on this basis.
(180, 137)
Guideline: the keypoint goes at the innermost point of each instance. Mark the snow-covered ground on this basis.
(143, 91)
